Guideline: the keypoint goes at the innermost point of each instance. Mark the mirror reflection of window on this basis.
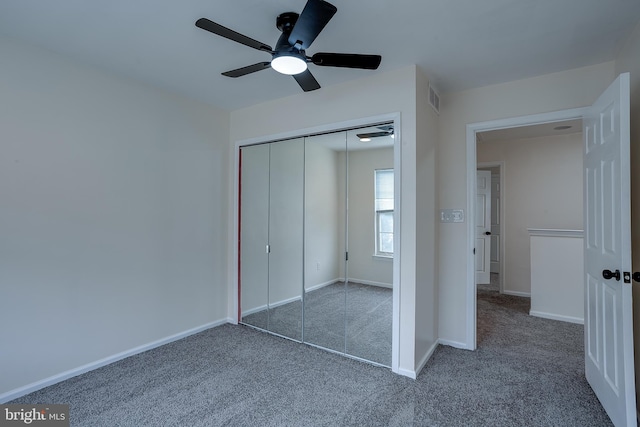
(384, 212)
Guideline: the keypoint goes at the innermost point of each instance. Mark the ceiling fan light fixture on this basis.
(288, 63)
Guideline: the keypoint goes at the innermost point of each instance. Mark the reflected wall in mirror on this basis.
(325, 213)
(271, 240)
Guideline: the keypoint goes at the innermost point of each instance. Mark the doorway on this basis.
(484, 128)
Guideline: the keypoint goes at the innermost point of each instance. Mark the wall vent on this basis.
(434, 99)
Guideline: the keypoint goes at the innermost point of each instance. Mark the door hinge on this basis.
(346, 256)
(627, 277)
(268, 249)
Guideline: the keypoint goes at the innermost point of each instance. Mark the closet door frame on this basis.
(234, 234)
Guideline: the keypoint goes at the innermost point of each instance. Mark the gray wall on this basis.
(113, 215)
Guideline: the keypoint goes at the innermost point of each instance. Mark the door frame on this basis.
(472, 165)
(233, 301)
(500, 165)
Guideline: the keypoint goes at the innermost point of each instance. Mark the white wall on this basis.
(563, 90)
(557, 275)
(363, 266)
(113, 233)
(381, 94)
(426, 188)
(542, 189)
(323, 217)
(628, 60)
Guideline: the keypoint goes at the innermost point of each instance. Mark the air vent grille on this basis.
(434, 99)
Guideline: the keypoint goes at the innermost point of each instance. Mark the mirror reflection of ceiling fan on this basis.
(289, 57)
(386, 130)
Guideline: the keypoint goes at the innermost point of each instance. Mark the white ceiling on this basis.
(532, 131)
(460, 44)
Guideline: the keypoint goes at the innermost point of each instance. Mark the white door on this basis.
(608, 316)
(495, 222)
(483, 228)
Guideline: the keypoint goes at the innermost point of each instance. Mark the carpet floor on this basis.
(367, 311)
(526, 371)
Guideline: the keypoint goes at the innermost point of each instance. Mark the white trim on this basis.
(549, 232)
(30, 388)
(454, 344)
(472, 128)
(517, 293)
(397, 237)
(285, 301)
(322, 285)
(274, 305)
(406, 373)
(426, 357)
(570, 319)
(397, 165)
(371, 283)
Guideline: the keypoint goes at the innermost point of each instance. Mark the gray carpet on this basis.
(527, 371)
(367, 309)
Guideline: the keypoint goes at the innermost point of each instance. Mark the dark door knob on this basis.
(487, 233)
(636, 276)
(608, 274)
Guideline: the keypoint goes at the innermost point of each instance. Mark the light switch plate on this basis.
(451, 215)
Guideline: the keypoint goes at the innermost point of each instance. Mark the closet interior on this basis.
(316, 240)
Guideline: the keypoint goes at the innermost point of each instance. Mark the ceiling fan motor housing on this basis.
(286, 21)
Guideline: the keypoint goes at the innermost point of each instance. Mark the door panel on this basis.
(324, 242)
(254, 235)
(286, 177)
(608, 307)
(495, 223)
(483, 228)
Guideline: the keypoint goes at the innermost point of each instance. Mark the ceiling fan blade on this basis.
(239, 72)
(373, 134)
(306, 81)
(314, 17)
(347, 60)
(225, 32)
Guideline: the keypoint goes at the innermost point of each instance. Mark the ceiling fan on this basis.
(386, 130)
(289, 57)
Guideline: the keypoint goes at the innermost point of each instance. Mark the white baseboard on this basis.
(560, 317)
(274, 305)
(254, 310)
(407, 373)
(454, 344)
(370, 283)
(426, 357)
(517, 294)
(30, 388)
(322, 285)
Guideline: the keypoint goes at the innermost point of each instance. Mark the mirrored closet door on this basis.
(369, 284)
(271, 233)
(325, 240)
(316, 240)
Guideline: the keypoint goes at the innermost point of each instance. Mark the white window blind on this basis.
(384, 212)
